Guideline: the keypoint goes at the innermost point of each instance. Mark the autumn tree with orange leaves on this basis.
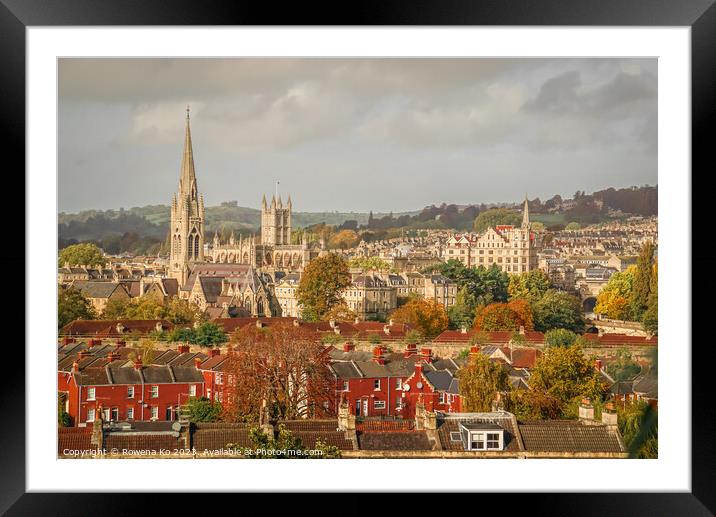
(505, 316)
(427, 316)
(282, 367)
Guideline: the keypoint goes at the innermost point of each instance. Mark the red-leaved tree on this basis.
(283, 366)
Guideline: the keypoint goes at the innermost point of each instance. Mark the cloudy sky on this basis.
(354, 134)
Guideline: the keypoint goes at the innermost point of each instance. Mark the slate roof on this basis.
(97, 289)
(108, 328)
(210, 288)
(647, 384)
(215, 436)
(394, 441)
(115, 374)
(569, 436)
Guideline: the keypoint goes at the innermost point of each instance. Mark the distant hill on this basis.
(144, 229)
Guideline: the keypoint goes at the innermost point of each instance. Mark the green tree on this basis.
(557, 309)
(321, 284)
(495, 217)
(531, 404)
(369, 264)
(484, 285)
(531, 285)
(85, 254)
(638, 425)
(262, 444)
(201, 409)
(651, 316)
(480, 381)
(175, 310)
(560, 337)
(623, 367)
(209, 334)
(566, 374)
(73, 305)
(413, 337)
(573, 226)
(462, 312)
(639, 301)
(63, 418)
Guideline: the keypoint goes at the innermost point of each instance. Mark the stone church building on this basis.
(231, 275)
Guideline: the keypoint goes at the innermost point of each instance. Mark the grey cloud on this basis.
(402, 133)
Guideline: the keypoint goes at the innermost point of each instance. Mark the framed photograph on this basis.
(427, 243)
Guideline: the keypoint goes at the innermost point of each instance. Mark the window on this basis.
(130, 413)
(477, 441)
(493, 440)
(345, 385)
(192, 390)
(155, 413)
(155, 392)
(442, 397)
(219, 379)
(168, 414)
(399, 384)
(376, 385)
(114, 414)
(455, 436)
(379, 404)
(90, 415)
(90, 393)
(130, 392)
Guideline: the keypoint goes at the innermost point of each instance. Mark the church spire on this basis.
(526, 214)
(187, 179)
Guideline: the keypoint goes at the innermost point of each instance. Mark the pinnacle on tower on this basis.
(187, 178)
(526, 214)
(263, 202)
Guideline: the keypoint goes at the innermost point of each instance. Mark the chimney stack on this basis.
(183, 349)
(410, 350)
(348, 347)
(214, 352)
(259, 324)
(390, 322)
(378, 355)
(586, 410)
(332, 323)
(138, 363)
(609, 414)
(522, 330)
(426, 354)
(197, 362)
(112, 356)
(463, 330)
(75, 367)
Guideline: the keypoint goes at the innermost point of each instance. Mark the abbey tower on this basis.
(187, 217)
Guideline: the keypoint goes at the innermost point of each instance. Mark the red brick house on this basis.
(101, 377)
(382, 384)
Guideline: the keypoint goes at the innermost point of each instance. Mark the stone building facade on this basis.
(514, 250)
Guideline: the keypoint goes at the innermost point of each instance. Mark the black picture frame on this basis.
(700, 15)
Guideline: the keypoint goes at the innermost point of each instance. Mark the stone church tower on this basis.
(187, 217)
(275, 222)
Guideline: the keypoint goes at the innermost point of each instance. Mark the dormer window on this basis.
(479, 436)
